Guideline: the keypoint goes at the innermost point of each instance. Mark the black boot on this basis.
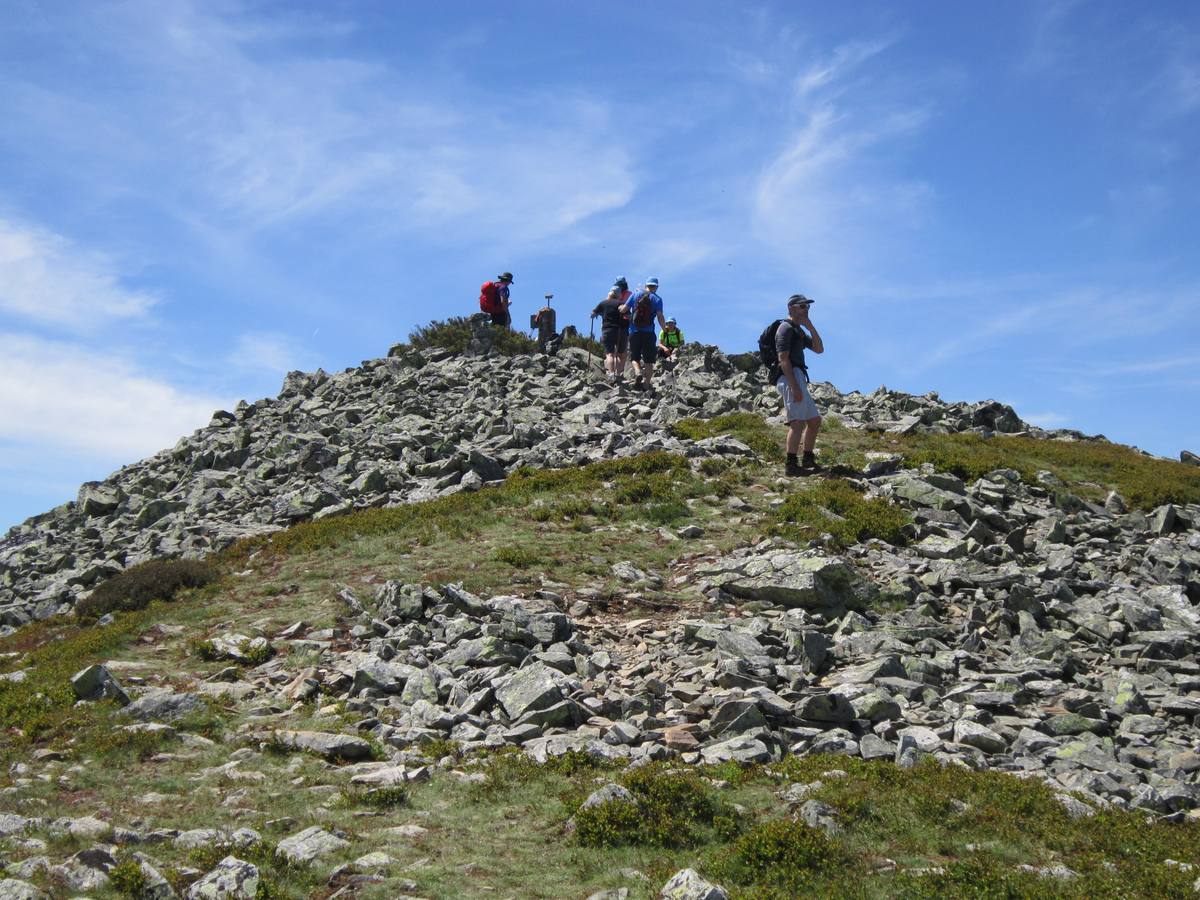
(792, 467)
(809, 464)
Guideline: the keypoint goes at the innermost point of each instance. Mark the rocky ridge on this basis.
(414, 425)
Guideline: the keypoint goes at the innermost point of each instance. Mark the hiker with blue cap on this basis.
(643, 309)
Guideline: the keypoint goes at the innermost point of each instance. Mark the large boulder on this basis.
(797, 579)
(97, 683)
(232, 879)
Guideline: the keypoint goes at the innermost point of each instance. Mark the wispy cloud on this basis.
(823, 202)
(46, 278)
(843, 61)
(264, 134)
(62, 396)
(268, 352)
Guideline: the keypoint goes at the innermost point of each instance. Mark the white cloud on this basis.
(64, 397)
(267, 351)
(841, 62)
(264, 133)
(824, 204)
(45, 278)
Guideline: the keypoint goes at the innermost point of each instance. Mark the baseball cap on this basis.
(504, 276)
(799, 300)
(651, 282)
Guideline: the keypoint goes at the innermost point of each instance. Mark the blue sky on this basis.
(986, 200)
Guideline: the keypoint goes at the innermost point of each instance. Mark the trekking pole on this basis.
(591, 340)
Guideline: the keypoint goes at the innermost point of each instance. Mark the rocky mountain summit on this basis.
(1013, 626)
(414, 425)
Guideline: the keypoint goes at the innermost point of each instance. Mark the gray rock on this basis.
(979, 736)
(533, 688)
(310, 844)
(816, 814)
(96, 683)
(687, 884)
(610, 793)
(163, 704)
(13, 889)
(232, 879)
(743, 749)
(333, 747)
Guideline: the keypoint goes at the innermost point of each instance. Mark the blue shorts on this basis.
(796, 409)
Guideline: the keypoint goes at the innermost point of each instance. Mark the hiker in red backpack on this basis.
(493, 299)
(643, 308)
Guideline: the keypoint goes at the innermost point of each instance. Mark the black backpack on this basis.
(770, 355)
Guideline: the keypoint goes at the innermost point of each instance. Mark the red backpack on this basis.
(489, 298)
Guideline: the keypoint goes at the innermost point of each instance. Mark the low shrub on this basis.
(382, 798)
(516, 556)
(669, 809)
(138, 586)
(837, 507)
(454, 334)
(128, 879)
(781, 854)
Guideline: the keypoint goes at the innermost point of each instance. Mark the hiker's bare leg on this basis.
(795, 432)
(647, 374)
(811, 428)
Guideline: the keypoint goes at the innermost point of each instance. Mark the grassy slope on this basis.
(566, 528)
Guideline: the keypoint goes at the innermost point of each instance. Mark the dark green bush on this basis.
(454, 334)
(127, 879)
(779, 855)
(838, 508)
(137, 587)
(670, 809)
(517, 557)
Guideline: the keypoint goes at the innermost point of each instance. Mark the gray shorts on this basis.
(797, 408)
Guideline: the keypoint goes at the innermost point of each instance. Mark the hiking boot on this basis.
(809, 463)
(792, 468)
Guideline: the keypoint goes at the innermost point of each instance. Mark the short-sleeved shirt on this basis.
(610, 309)
(631, 305)
(672, 338)
(792, 340)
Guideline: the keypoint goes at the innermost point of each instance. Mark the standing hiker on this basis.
(545, 320)
(669, 341)
(643, 309)
(791, 380)
(493, 299)
(614, 329)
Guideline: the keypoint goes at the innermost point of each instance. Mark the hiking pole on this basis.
(591, 340)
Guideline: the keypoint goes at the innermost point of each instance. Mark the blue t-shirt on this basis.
(632, 305)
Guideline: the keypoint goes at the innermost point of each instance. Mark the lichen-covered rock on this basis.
(232, 879)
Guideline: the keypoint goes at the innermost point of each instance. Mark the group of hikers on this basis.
(629, 337)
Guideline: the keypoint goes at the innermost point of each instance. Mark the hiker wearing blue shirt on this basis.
(643, 308)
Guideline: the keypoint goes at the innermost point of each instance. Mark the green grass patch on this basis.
(43, 705)
(1088, 467)
(650, 477)
(836, 507)
(749, 428)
